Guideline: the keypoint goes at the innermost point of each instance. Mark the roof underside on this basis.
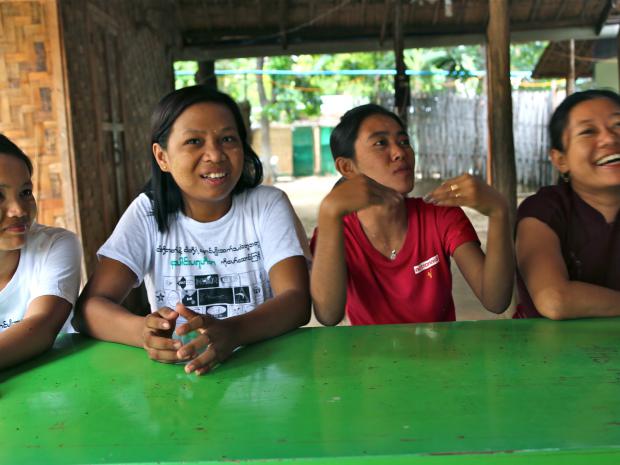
(225, 28)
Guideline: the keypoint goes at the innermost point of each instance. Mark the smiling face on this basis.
(17, 205)
(384, 154)
(591, 143)
(204, 155)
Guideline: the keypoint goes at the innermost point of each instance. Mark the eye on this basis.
(192, 141)
(26, 193)
(380, 143)
(586, 132)
(405, 142)
(229, 139)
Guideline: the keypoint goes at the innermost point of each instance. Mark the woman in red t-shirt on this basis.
(386, 257)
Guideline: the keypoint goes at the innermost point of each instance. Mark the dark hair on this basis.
(7, 147)
(162, 189)
(559, 119)
(342, 139)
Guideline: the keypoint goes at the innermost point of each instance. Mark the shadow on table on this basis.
(65, 345)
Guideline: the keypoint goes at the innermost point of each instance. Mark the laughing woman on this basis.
(39, 265)
(568, 235)
(219, 254)
(385, 258)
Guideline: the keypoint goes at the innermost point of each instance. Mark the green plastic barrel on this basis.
(303, 151)
(327, 161)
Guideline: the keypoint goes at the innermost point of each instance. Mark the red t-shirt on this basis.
(416, 286)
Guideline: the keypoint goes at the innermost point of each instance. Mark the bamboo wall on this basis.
(32, 103)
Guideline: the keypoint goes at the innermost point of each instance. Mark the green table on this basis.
(498, 392)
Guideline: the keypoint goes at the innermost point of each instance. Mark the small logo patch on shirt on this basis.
(426, 264)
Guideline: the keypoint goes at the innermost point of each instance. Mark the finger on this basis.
(164, 356)
(167, 313)
(185, 312)
(207, 368)
(152, 341)
(203, 362)
(194, 347)
(155, 321)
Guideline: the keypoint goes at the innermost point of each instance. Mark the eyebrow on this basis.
(386, 133)
(201, 131)
(589, 120)
(26, 184)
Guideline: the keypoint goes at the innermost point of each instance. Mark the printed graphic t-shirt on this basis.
(221, 267)
(416, 286)
(49, 264)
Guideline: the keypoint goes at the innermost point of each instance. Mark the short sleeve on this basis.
(546, 206)
(455, 228)
(131, 241)
(280, 235)
(59, 270)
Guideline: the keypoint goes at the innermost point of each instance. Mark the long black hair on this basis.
(7, 147)
(162, 189)
(342, 139)
(559, 119)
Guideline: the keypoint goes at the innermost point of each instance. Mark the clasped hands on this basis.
(213, 344)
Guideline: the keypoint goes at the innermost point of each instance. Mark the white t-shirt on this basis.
(49, 264)
(221, 267)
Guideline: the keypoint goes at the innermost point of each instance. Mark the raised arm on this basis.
(544, 272)
(490, 276)
(328, 283)
(36, 332)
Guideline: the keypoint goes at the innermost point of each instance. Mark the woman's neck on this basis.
(8, 265)
(606, 202)
(385, 226)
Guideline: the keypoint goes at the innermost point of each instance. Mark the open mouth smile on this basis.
(608, 160)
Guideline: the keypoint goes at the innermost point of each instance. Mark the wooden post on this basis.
(402, 91)
(206, 74)
(570, 77)
(501, 169)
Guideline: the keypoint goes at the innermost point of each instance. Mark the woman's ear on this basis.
(161, 157)
(558, 159)
(346, 167)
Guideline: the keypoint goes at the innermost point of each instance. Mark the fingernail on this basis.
(427, 198)
(166, 325)
(177, 345)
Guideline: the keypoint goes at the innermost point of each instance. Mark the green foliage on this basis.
(294, 97)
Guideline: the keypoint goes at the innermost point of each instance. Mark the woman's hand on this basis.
(215, 342)
(469, 191)
(357, 193)
(157, 335)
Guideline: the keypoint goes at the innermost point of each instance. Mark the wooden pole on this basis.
(206, 74)
(570, 78)
(402, 91)
(501, 169)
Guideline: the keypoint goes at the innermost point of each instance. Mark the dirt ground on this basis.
(306, 194)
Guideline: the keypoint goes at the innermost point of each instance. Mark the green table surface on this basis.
(501, 392)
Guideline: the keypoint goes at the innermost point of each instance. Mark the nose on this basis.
(213, 152)
(398, 152)
(609, 136)
(16, 208)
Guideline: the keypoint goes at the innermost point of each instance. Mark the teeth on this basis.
(608, 159)
(213, 175)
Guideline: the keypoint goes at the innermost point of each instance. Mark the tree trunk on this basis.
(265, 142)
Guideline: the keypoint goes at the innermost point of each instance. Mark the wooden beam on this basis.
(402, 92)
(364, 6)
(283, 9)
(501, 167)
(386, 16)
(534, 10)
(560, 11)
(464, 11)
(603, 17)
(570, 76)
(261, 12)
(436, 13)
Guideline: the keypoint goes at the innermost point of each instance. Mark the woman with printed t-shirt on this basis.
(385, 258)
(568, 235)
(214, 248)
(39, 265)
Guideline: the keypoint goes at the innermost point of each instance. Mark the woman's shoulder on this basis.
(260, 196)
(41, 237)
(547, 198)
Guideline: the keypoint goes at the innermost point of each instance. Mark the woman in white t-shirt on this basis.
(219, 254)
(39, 265)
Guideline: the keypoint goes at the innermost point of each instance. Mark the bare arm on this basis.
(328, 284)
(543, 269)
(36, 332)
(98, 311)
(287, 310)
(490, 276)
